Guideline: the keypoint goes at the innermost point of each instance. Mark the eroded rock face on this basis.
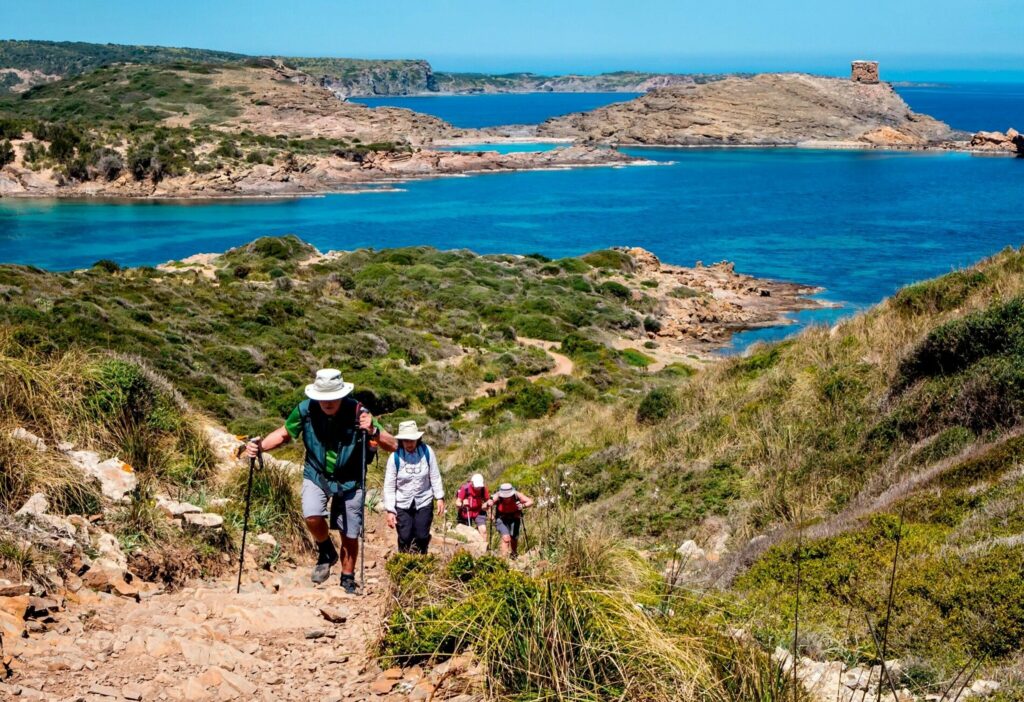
(771, 109)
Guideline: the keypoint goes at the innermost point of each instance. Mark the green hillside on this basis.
(66, 58)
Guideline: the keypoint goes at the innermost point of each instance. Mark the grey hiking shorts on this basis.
(508, 526)
(348, 506)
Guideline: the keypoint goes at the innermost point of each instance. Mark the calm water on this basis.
(859, 224)
(971, 106)
(492, 110)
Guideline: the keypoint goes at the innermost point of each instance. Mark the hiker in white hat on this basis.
(470, 501)
(332, 425)
(508, 505)
(412, 488)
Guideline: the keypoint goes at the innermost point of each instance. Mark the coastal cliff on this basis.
(769, 109)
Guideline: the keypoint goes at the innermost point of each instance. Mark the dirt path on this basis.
(272, 642)
(563, 366)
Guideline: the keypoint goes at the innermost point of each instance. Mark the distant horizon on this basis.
(927, 40)
(893, 68)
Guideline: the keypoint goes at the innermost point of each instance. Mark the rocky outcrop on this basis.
(1011, 142)
(770, 109)
(367, 77)
(311, 174)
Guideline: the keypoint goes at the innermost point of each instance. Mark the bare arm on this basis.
(524, 500)
(271, 441)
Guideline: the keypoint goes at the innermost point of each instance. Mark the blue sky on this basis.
(913, 38)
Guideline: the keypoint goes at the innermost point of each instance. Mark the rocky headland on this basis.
(771, 109)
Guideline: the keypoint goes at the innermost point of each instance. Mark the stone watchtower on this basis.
(864, 72)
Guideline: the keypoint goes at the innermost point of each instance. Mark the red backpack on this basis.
(509, 506)
(472, 495)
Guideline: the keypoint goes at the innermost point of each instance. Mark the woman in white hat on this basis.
(332, 424)
(412, 484)
(509, 504)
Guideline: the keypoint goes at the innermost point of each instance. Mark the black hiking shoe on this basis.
(322, 569)
(348, 583)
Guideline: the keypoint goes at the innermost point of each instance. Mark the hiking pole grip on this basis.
(245, 519)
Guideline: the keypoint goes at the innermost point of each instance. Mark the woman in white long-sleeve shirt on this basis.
(412, 482)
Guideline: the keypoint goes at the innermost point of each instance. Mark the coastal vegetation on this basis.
(878, 456)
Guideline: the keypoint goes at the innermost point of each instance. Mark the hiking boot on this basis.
(328, 557)
(348, 583)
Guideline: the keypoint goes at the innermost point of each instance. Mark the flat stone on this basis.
(174, 509)
(15, 590)
(116, 477)
(104, 691)
(267, 540)
(334, 615)
(382, 686)
(132, 692)
(315, 634)
(392, 674)
(22, 434)
(204, 520)
(37, 505)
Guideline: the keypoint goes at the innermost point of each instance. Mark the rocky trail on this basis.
(282, 638)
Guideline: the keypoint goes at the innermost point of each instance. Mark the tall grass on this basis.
(585, 625)
(114, 405)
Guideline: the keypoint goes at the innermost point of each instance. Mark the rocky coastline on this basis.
(307, 176)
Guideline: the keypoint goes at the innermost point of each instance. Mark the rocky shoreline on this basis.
(306, 177)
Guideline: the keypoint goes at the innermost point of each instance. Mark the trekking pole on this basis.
(526, 540)
(362, 526)
(245, 520)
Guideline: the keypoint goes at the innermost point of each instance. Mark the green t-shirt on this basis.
(294, 427)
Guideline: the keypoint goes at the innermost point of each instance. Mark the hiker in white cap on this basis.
(332, 425)
(412, 484)
(470, 501)
(509, 504)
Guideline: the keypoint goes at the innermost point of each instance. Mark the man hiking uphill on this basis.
(332, 426)
(470, 501)
(508, 506)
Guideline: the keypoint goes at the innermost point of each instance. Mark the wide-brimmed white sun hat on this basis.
(506, 490)
(477, 480)
(328, 385)
(408, 430)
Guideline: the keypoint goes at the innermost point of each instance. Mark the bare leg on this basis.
(514, 543)
(350, 553)
(482, 528)
(318, 528)
(506, 545)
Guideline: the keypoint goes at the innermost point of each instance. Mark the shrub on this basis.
(656, 406)
(610, 259)
(105, 264)
(683, 292)
(6, 153)
(615, 289)
(652, 324)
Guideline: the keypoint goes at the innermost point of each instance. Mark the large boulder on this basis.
(1010, 142)
(116, 477)
(471, 539)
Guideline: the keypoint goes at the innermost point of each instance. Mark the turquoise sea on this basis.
(859, 224)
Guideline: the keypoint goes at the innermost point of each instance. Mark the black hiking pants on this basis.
(414, 527)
